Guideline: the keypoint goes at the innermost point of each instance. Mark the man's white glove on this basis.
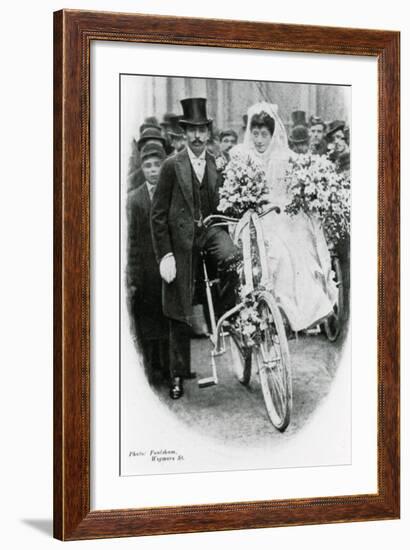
(167, 268)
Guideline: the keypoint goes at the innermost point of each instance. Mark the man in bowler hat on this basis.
(165, 126)
(299, 139)
(187, 192)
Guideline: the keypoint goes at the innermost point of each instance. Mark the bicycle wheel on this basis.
(273, 360)
(241, 359)
(333, 324)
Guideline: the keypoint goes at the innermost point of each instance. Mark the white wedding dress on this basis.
(298, 257)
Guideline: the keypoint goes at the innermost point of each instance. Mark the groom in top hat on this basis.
(187, 192)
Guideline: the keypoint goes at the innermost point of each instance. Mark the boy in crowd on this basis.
(227, 138)
(143, 277)
(149, 134)
(135, 161)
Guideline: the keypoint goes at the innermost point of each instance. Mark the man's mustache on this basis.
(197, 141)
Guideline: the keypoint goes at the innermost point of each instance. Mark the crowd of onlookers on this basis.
(318, 137)
(313, 135)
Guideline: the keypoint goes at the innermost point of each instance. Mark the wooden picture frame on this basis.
(74, 32)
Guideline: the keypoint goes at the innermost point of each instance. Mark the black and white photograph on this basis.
(235, 201)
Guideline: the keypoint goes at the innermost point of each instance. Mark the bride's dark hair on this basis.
(262, 119)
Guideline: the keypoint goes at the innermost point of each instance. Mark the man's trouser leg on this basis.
(179, 348)
(224, 255)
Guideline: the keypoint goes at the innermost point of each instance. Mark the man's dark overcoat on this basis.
(173, 227)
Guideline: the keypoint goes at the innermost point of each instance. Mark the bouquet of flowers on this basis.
(244, 186)
(316, 188)
(248, 322)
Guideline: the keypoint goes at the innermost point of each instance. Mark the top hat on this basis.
(152, 149)
(148, 134)
(299, 118)
(299, 134)
(194, 112)
(334, 126)
(174, 128)
(225, 133)
(316, 120)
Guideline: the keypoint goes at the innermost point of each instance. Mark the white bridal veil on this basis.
(275, 158)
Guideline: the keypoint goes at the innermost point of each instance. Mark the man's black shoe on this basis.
(177, 389)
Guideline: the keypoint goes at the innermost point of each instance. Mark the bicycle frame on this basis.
(217, 335)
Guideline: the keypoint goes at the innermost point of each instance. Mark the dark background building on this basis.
(229, 100)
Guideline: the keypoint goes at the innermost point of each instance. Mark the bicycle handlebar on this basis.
(271, 209)
(225, 220)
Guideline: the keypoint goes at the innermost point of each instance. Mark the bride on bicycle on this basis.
(298, 256)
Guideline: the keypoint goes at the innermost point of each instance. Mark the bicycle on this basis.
(269, 352)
